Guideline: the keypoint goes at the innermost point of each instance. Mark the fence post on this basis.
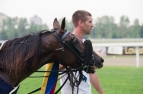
(137, 57)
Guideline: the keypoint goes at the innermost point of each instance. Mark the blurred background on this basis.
(115, 21)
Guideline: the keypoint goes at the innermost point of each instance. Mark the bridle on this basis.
(74, 80)
(67, 45)
(81, 59)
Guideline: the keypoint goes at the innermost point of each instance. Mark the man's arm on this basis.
(61, 67)
(96, 83)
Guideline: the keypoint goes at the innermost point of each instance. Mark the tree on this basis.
(8, 28)
(104, 27)
(134, 30)
(45, 27)
(141, 31)
(124, 26)
(17, 27)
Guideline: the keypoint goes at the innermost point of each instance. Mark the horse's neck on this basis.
(20, 78)
(13, 82)
(44, 58)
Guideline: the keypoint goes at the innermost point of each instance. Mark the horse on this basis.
(20, 57)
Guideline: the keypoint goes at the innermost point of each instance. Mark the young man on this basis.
(82, 21)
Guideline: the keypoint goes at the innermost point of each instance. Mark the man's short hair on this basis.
(80, 15)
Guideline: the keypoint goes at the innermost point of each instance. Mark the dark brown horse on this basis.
(20, 57)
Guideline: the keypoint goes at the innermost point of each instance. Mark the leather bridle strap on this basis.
(35, 90)
(54, 93)
(46, 76)
(61, 86)
(63, 37)
(73, 51)
(64, 43)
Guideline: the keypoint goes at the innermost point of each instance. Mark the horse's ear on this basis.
(56, 24)
(63, 25)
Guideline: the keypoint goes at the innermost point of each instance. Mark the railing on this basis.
(116, 40)
(137, 45)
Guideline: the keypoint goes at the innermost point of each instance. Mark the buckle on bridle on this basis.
(58, 49)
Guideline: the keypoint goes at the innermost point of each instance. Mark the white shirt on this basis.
(84, 87)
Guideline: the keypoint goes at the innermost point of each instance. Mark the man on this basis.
(82, 22)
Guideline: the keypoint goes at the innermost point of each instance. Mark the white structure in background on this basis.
(135, 44)
(117, 46)
(2, 17)
(36, 20)
(116, 40)
(118, 50)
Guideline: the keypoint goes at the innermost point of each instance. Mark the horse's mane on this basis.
(19, 55)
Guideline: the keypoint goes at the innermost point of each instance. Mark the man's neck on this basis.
(78, 33)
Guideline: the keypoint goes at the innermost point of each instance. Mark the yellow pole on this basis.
(45, 79)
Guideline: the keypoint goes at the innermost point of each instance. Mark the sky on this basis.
(50, 9)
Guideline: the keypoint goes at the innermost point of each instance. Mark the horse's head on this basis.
(98, 61)
(69, 44)
(65, 47)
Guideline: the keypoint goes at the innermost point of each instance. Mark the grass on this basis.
(114, 80)
(121, 80)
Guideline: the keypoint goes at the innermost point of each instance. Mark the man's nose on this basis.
(91, 24)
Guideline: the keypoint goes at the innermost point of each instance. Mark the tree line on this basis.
(104, 27)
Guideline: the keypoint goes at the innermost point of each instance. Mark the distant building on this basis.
(2, 17)
(37, 20)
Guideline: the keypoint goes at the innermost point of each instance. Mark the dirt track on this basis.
(122, 61)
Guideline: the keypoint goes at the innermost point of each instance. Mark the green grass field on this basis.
(114, 80)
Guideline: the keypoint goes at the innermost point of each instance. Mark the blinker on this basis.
(88, 57)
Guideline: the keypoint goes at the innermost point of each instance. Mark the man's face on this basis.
(87, 25)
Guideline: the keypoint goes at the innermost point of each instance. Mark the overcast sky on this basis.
(49, 9)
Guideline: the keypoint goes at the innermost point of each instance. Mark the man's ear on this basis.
(80, 23)
(63, 25)
(56, 24)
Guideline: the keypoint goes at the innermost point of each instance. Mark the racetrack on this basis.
(113, 61)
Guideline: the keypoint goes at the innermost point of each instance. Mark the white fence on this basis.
(137, 45)
(2, 41)
(117, 40)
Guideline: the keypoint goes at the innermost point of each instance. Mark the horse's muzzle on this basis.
(99, 63)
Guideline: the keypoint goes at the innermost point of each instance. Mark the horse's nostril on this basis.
(102, 60)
